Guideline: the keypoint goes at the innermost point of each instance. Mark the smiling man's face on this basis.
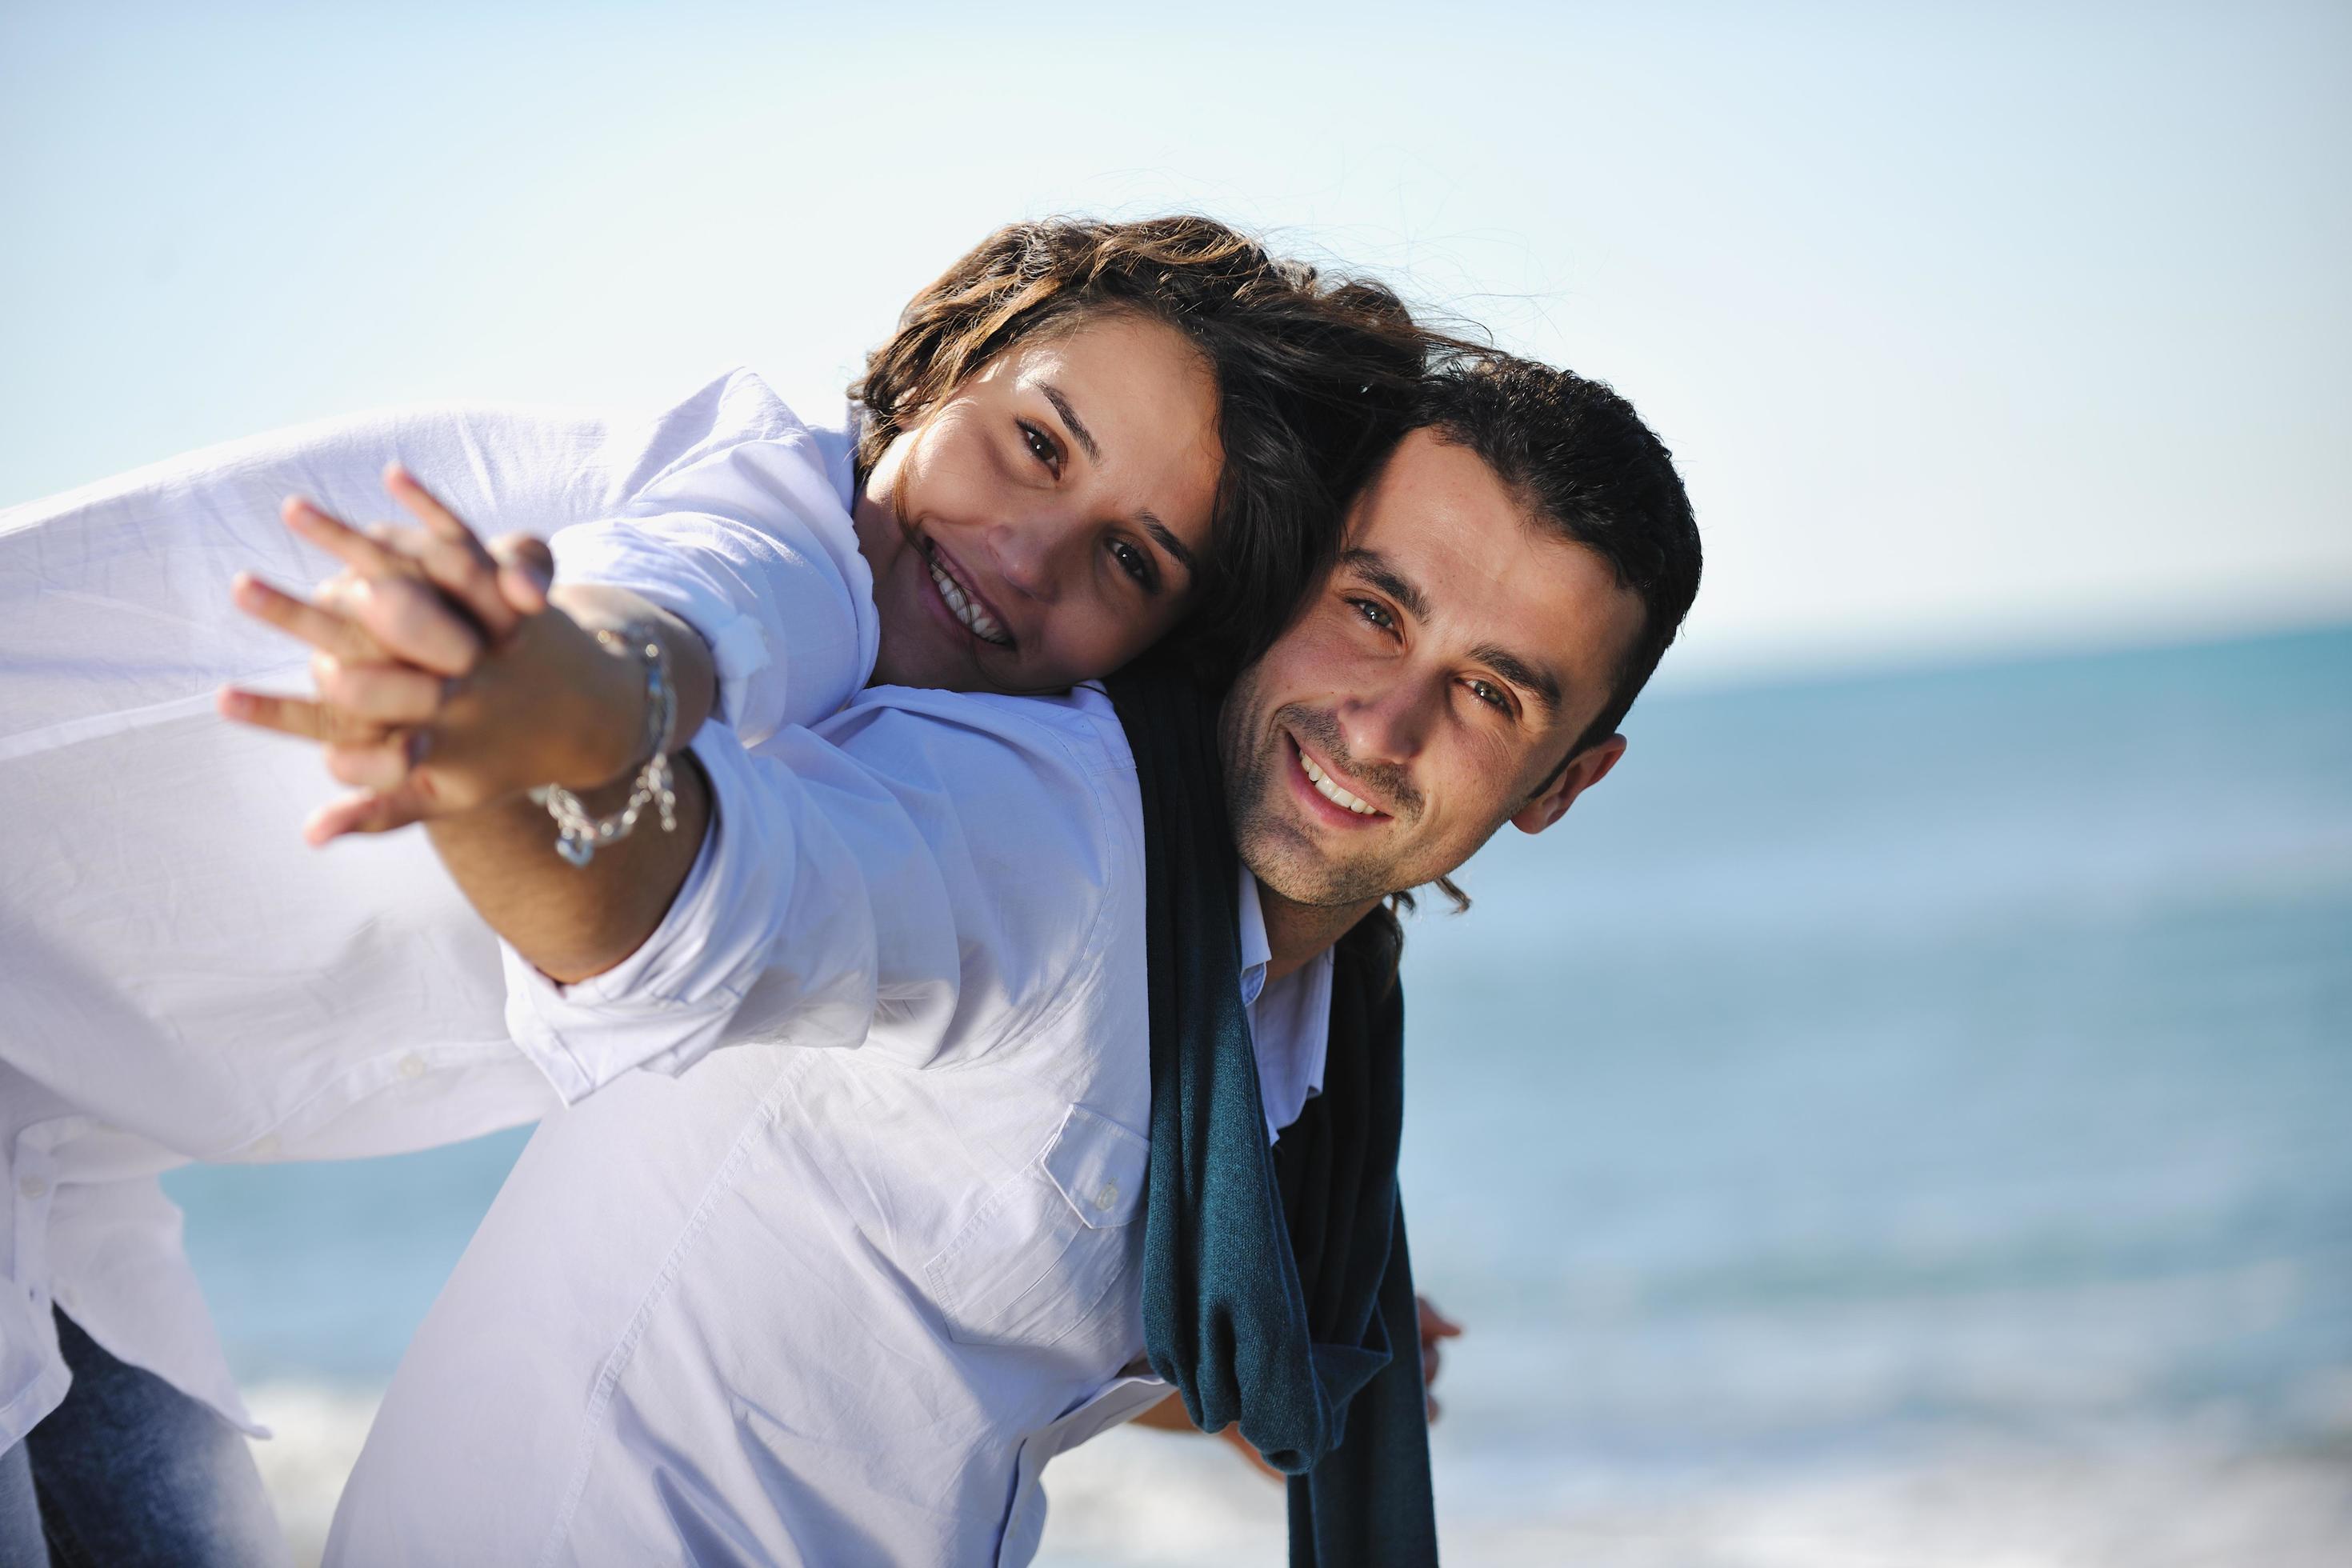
(1429, 691)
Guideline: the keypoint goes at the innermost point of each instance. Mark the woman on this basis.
(977, 530)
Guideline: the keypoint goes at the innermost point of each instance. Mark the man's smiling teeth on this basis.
(979, 622)
(1329, 791)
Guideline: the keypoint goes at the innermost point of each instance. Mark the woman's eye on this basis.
(1041, 446)
(1135, 563)
(1375, 615)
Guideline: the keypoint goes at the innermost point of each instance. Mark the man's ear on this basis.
(1584, 770)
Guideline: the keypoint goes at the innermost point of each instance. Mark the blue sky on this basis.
(2002, 329)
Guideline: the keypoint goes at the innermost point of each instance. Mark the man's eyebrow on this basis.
(1373, 568)
(1522, 673)
(1166, 539)
(1070, 417)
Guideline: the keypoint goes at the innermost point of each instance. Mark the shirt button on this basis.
(1107, 1196)
(33, 1187)
(412, 1066)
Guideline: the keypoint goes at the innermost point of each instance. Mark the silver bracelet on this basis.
(578, 835)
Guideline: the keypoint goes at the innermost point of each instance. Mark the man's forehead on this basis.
(1435, 509)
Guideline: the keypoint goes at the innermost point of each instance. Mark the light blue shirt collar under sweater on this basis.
(1289, 1021)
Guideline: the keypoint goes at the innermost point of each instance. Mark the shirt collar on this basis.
(1290, 1030)
(1256, 951)
(836, 446)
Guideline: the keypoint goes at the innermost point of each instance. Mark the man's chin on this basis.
(1288, 857)
(1292, 867)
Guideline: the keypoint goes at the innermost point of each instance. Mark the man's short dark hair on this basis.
(1584, 465)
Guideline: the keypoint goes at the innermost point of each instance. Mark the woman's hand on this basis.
(445, 681)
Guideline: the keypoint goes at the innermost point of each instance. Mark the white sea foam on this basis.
(1137, 1498)
(317, 1430)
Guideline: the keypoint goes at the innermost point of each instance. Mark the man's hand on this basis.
(1435, 1326)
(1168, 1415)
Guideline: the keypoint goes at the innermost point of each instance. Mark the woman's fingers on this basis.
(368, 811)
(325, 630)
(451, 554)
(411, 623)
(494, 586)
(347, 544)
(380, 766)
(438, 520)
(295, 716)
(526, 570)
(383, 694)
(361, 619)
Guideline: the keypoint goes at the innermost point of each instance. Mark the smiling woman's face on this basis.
(1046, 522)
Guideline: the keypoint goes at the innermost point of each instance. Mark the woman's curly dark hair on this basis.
(1316, 377)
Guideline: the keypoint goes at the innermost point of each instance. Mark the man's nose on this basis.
(1387, 723)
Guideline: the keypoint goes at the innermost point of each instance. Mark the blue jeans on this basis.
(130, 1471)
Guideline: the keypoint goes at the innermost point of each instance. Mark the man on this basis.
(843, 1304)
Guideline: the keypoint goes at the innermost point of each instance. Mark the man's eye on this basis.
(1492, 695)
(1041, 446)
(1376, 615)
(1136, 564)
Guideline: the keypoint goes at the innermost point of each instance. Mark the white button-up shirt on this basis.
(837, 1293)
(178, 975)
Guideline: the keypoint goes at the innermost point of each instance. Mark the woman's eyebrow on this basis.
(1070, 417)
(1166, 539)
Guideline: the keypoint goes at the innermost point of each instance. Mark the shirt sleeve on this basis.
(746, 539)
(900, 883)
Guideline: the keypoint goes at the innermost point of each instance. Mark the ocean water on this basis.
(1898, 1119)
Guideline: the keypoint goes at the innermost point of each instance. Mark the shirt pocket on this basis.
(1044, 1248)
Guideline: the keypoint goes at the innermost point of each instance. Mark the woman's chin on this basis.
(917, 656)
(922, 645)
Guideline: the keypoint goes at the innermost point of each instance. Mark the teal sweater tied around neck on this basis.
(1276, 1288)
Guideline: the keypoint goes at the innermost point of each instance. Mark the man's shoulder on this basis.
(1034, 825)
(1034, 798)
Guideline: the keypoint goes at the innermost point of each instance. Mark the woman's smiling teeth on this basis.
(1329, 791)
(977, 621)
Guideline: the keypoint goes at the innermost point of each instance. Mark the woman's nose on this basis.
(1027, 556)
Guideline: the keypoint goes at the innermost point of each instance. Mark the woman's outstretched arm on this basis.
(451, 683)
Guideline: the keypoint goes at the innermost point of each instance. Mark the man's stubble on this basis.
(1278, 850)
